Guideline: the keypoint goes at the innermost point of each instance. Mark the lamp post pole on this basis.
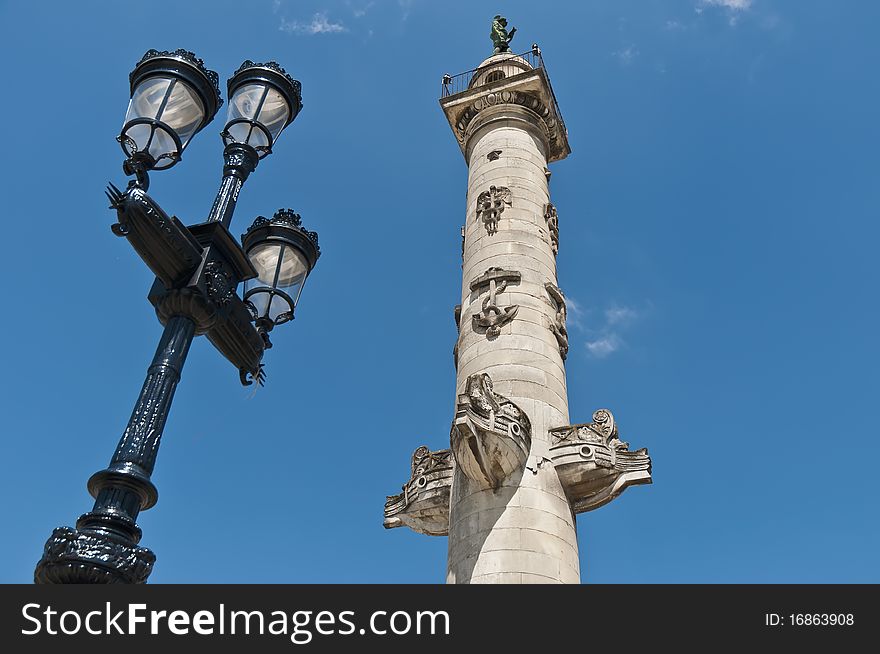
(239, 161)
(104, 546)
(198, 269)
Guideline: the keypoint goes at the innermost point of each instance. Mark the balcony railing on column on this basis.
(505, 70)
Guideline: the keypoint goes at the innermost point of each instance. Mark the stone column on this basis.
(523, 530)
(507, 490)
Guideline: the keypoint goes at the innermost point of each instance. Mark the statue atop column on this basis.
(501, 38)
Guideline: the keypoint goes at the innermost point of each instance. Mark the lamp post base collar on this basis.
(72, 556)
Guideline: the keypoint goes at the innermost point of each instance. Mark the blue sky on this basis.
(718, 224)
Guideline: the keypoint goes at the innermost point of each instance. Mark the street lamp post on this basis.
(198, 269)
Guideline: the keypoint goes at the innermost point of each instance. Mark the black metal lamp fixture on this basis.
(263, 100)
(198, 269)
(173, 96)
(283, 253)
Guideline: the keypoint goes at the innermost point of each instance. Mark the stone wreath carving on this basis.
(491, 436)
(492, 317)
(423, 504)
(490, 206)
(557, 325)
(593, 464)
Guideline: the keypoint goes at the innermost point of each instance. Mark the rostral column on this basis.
(517, 472)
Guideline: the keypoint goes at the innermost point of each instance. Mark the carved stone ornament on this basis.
(555, 130)
(491, 436)
(557, 325)
(491, 318)
(462, 245)
(593, 464)
(458, 329)
(552, 219)
(423, 506)
(490, 206)
(105, 560)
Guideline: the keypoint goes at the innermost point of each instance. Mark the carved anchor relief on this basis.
(490, 206)
(552, 219)
(491, 317)
(558, 324)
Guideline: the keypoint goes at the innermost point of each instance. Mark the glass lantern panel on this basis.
(264, 258)
(140, 135)
(147, 98)
(259, 103)
(183, 112)
(274, 113)
(278, 306)
(260, 300)
(293, 271)
(162, 143)
(239, 132)
(253, 136)
(146, 102)
(170, 101)
(245, 102)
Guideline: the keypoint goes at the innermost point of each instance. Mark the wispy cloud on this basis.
(319, 24)
(735, 8)
(626, 55)
(620, 315)
(602, 347)
(360, 12)
(605, 338)
(735, 5)
(406, 7)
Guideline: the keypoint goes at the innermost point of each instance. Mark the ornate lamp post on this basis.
(197, 268)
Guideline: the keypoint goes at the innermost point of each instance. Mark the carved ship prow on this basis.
(593, 464)
(490, 436)
(423, 504)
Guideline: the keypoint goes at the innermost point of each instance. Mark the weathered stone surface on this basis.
(423, 504)
(491, 436)
(491, 317)
(488, 525)
(594, 465)
(490, 206)
(552, 218)
(557, 326)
